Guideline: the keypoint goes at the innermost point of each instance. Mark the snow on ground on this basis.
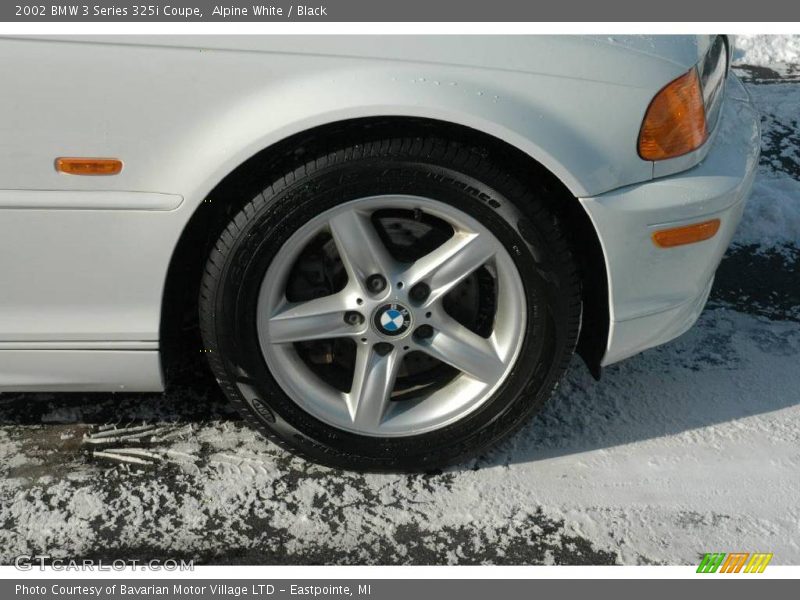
(772, 215)
(767, 49)
(685, 449)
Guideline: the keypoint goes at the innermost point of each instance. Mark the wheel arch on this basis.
(179, 303)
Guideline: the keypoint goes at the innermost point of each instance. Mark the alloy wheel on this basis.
(391, 315)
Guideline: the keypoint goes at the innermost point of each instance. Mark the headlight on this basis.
(712, 71)
(681, 115)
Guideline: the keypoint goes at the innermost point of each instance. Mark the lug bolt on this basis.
(376, 283)
(423, 332)
(383, 348)
(420, 292)
(353, 318)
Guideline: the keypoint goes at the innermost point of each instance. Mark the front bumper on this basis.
(656, 294)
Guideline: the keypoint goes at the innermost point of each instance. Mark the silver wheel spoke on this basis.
(451, 263)
(454, 344)
(316, 319)
(373, 380)
(360, 247)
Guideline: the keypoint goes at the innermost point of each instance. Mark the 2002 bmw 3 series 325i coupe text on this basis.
(391, 247)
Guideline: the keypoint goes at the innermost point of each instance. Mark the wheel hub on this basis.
(392, 320)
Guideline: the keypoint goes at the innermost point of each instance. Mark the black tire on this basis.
(520, 216)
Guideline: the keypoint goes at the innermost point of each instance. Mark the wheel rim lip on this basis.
(326, 403)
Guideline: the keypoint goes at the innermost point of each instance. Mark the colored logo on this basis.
(392, 319)
(734, 562)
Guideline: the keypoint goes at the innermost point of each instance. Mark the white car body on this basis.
(84, 260)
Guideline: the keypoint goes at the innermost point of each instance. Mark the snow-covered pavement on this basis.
(689, 448)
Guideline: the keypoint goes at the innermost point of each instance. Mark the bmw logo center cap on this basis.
(392, 319)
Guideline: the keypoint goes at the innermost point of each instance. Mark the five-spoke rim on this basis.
(390, 309)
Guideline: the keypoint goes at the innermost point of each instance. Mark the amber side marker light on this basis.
(687, 234)
(88, 166)
(675, 122)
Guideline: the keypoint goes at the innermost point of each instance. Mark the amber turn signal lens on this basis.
(675, 122)
(687, 234)
(89, 166)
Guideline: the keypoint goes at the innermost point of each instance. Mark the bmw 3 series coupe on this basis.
(390, 247)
